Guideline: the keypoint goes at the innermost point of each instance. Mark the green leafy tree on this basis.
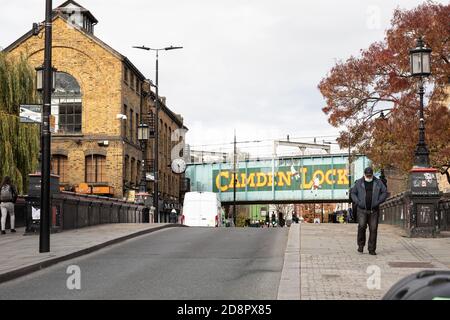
(19, 143)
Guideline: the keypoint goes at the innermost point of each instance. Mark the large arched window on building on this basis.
(96, 169)
(59, 167)
(67, 104)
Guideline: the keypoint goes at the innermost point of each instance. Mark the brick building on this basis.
(99, 101)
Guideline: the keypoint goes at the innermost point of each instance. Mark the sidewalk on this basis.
(331, 268)
(20, 254)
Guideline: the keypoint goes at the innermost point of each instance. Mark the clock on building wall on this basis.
(178, 165)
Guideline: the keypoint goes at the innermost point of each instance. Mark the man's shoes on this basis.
(373, 253)
(13, 230)
(3, 232)
(360, 249)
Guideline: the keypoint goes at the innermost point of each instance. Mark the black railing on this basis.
(73, 211)
(444, 213)
(397, 210)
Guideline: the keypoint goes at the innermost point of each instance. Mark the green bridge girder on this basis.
(315, 178)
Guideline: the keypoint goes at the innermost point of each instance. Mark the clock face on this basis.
(178, 165)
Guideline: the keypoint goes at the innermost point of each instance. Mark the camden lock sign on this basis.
(287, 178)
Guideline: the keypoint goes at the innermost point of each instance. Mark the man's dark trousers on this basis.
(370, 218)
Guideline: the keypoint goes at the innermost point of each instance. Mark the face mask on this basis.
(368, 179)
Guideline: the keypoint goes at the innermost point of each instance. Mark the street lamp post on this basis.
(44, 225)
(235, 179)
(423, 192)
(155, 149)
(349, 171)
(420, 67)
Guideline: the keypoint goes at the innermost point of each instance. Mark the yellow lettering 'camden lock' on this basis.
(307, 178)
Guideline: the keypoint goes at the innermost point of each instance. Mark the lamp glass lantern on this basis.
(40, 78)
(420, 59)
(143, 132)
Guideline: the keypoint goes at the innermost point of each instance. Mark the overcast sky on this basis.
(253, 65)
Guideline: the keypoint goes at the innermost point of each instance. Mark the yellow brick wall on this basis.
(98, 72)
(100, 76)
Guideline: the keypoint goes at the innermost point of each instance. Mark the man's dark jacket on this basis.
(379, 193)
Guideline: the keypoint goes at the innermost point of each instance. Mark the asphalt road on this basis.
(175, 263)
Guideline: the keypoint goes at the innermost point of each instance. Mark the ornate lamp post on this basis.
(421, 67)
(423, 193)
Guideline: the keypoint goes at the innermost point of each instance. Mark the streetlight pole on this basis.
(349, 171)
(421, 154)
(421, 67)
(424, 194)
(44, 235)
(234, 178)
(155, 149)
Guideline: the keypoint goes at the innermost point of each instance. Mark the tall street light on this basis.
(44, 225)
(420, 58)
(423, 191)
(157, 107)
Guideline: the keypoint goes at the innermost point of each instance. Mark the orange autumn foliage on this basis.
(379, 79)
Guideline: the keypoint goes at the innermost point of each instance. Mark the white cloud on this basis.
(253, 65)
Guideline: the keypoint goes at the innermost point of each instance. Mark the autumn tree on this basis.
(378, 78)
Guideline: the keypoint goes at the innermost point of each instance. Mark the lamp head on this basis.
(141, 47)
(172, 48)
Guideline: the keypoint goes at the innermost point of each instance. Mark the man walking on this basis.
(368, 193)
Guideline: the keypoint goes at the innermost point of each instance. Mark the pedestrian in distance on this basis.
(267, 220)
(173, 216)
(8, 196)
(368, 193)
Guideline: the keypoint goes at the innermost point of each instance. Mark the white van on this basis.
(202, 209)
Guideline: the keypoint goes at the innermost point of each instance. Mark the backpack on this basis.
(7, 194)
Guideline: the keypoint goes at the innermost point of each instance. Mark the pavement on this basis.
(331, 268)
(154, 261)
(20, 254)
(174, 263)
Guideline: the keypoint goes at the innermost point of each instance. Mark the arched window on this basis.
(59, 167)
(66, 104)
(96, 169)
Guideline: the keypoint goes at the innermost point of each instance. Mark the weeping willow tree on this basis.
(19, 143)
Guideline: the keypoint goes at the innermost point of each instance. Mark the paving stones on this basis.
(331, 267)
